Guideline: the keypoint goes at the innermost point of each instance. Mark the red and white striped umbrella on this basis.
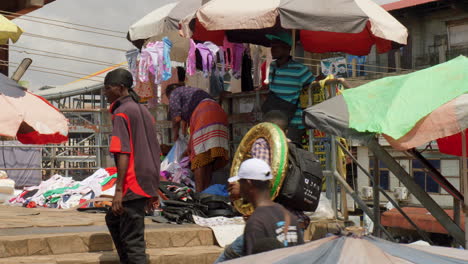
(351, 26)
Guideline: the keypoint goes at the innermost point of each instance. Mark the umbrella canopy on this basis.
(30, 118)
(164, 21)
(409, 110)
(452, 145)
(351, 26)
(8, 30)
(354, 250)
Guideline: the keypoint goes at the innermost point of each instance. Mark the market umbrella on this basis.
(9, 30)
(164, 21)
(351, 26)
(452, 145)
(354, 250)
(29, 117)
(408, 110)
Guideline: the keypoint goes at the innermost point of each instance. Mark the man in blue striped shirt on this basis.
(287, 78)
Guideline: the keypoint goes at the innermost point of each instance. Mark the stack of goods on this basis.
(65, 193)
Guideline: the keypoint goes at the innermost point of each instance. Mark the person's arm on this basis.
(307, 77)
(176, 127)
(121, 162)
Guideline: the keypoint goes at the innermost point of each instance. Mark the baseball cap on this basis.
(282, 36)
(253, 169)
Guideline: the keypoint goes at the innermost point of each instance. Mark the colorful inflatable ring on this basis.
(279, 157)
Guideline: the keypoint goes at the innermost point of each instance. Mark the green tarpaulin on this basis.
(393, 105)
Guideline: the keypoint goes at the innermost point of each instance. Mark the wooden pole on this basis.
(293, 48)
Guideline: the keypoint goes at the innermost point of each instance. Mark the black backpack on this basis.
(303, 183)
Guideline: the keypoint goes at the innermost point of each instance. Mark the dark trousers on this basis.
(128, 232)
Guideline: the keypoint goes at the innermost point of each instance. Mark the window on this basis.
(423, 179)
(384, 174)
(458, 34)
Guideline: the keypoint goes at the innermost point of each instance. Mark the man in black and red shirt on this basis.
(137, 156)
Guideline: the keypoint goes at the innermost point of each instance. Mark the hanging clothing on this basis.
(212, 47)
(222, 60)
(144, 89)
(155, 59)
(191, 59)
(167, 68)
(207, 58)
(216, 83)
(150, 58)
(247, 81)
(132, 60)
(255, 55)
(236, 51)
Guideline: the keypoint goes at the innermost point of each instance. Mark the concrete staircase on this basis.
(174, 244)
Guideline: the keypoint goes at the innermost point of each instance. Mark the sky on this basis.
(116, 15)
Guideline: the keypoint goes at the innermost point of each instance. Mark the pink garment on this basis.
(207, 58)
(216, 50)
(235, 59)
(145, 89)
(151, 58)
(191, 59)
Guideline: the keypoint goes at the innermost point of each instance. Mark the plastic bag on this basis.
(368, 224)
(324, 209)
(170, 163)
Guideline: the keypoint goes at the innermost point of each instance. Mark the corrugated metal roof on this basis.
(73, 89)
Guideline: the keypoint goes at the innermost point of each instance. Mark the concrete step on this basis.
(157, 236)
(177, 255)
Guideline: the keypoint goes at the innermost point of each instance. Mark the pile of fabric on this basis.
(65, 193)
(176, 168)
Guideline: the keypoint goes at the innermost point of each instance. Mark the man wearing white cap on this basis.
(270, 224)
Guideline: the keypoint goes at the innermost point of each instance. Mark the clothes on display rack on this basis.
(207, 58)
(144, 89)
(155, 59)
(247, 81)
(132, 61)
(191, 59)
(234, 60)
(216, 84)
